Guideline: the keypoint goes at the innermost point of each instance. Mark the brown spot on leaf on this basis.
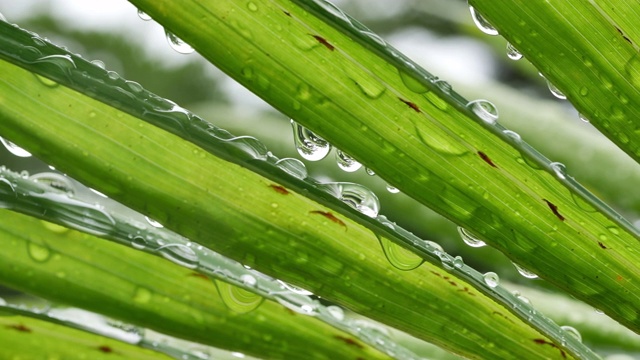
(554, 209)
(286, 13)
(602, 245)
(331, 217)
(279, 189)
(349, 341)
(105, 349)
(198, 275)
(619, 278)
(545, 342)
(486, 158)
(410, 104)
(324, 42)
(19, 327)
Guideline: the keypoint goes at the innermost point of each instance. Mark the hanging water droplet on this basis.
(139, 242)
(38, 252)
(392, 189)
(357, 196)
(482, 23)
(143, 15)
(294, 289)
(491, 279)
(336, 312)
(248, 280)
(398, 256)
(485, 110)
(55, 181)
(14, 149)
(572, 332)
(180, 254)
(369, 172)
(293, 167)
(178, 44)
(153, 222)
(583, 118)
(524, 272)
(513, 53)
(458, 262)
(99, 63)
(469, 238)
(346, 162)
(309, 145)
(238, 299)
(555, 91)
(559, 169)
(142, 295)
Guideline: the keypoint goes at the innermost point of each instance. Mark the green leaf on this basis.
(427, 141)
(232, 211)
(587, 49)
(78, 269)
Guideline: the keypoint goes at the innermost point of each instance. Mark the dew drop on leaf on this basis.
(346, 162)
(237, 299)
(398, 256)
(469, 238)
(392, 189)
(491, 279)
(555, 91)
(482, 23)
(559, 169)
(14, 149)
(485, 110)
(336, 312)
(39, 252)
(355, 195)
(513, 53)
(143, 15)
(571, 331)
(142, 295)
(293, 167)
(56, 181)
(178, 44)
(524, 272)
(139, 242)
(180, 254)
(309, 145)
(153, 222)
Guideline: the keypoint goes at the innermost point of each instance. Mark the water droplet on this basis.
(252, 6)
(293, 167)
(3, 18)
(143, 15)
(514, 136)
(559, 169)
(469, 238)
(336, 312)
(491, 279)
(346, 162)
(398, 256)
(485, 110)
(309, 145)
(55, 181)
(367, 82)
(142, 295)
(439, 139)
(571, 331)
(248, 280)
(63, 62)
(513, 53)
(99, 63)
(524, 272)
(555, 91)
(458, 262)
(632, 68)
(139, 242)
(14, 149)
(412, 83)
(237, 299)
(46, 81)
(374, 37)
(482, 23)
(153, 222)
(238, 355)
(584, 91)
(357, 196)
(134, 86)
(294, 289)
(39, 252)
(392, 189)
(369, 172)
(180, 254)
(178, 44)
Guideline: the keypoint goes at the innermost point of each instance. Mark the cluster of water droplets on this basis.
(100, 325)
(241, 288)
